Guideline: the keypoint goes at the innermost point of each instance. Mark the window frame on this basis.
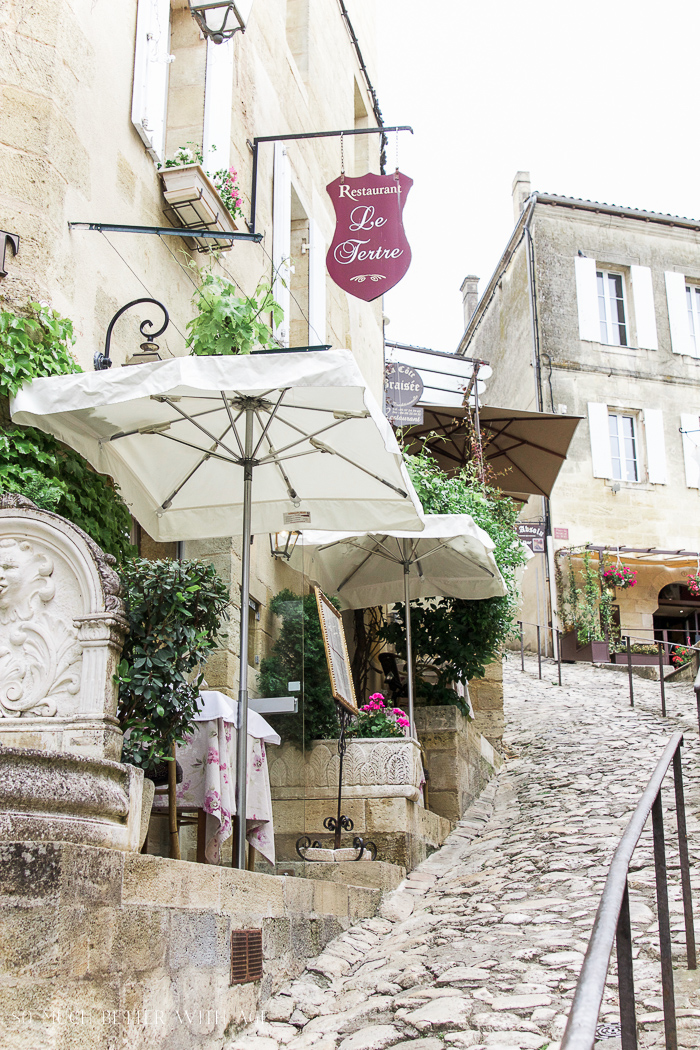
(607, 323)
(619, 415)
(692, 294)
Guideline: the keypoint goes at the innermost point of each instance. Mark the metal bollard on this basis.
(629, 670)
(539, 651)
(660, 648)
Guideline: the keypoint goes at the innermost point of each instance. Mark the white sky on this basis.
(596, 98)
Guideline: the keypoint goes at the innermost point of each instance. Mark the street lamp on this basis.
(282, 544)
(220, 19)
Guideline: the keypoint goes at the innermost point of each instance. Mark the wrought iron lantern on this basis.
(220, 19)
(282, 544)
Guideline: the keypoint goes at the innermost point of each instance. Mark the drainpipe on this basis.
(548, 558)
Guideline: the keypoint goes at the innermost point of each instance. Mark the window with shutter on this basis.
(151, 62)
(624, 446)
(655, 445)
(587, 299)
(612, 312)
(282, 236)
(317, 284)
(677, 301)
(218, 99)
(690, 428)
(599, 430)
(644, 312)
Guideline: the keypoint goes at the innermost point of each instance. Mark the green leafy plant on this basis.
(57, 478)
(229, 323)
(298, 655)
(378, 720)
(454, 638)
(174, 611)
(34, 344)
(586, 603)
(681, 655)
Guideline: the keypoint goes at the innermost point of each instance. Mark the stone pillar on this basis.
(486, 695)
(521, 192)
(470, 296)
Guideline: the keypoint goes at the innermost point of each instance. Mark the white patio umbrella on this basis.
(450, 557)
(184, 440)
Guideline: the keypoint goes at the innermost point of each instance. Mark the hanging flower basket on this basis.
(694, 584)
(621, 576)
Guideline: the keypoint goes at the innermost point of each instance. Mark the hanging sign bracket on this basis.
(291, 136)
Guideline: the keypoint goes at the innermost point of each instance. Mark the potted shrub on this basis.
(197, 198)
(681, 654)
(174, 611)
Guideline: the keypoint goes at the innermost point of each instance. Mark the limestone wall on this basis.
(102, 949)
(486, 695)
(458, 759)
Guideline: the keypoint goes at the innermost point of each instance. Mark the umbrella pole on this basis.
(409, 647)
(242, 740)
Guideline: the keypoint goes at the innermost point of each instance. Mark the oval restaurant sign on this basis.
(404, 386)
(369, 253)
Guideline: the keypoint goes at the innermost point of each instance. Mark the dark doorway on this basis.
(677, 619)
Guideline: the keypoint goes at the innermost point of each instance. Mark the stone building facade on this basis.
(593, 310)
(95, 96)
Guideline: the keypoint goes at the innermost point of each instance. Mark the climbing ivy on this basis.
(35, 464)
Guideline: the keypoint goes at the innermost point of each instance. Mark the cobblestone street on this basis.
(482, 944)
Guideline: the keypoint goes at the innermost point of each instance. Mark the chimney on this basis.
(470, 296)
(521, 192)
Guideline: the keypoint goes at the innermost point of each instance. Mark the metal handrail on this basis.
(612, 921)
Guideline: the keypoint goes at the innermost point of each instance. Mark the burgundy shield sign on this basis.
(369, 253)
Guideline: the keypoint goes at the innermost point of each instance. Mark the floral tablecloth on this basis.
(209, 782)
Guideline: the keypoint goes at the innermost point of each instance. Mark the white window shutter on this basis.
(599, 428)
(656, 446)
(282, 236)
(681, 343)
(152, 59)
(218, 101)
(317, 284)
(644, 312)
(691, 448)
(587, 299)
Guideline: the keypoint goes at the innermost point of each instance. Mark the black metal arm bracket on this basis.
(164, 231)
(292, 136)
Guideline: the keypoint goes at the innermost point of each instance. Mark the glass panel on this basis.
(615, 447)
(601, 308)
(630, 448)
(617, 309)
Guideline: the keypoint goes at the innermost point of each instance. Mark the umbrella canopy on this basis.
(172, 434)
(219, 445)
(526, 450)
(451, 557)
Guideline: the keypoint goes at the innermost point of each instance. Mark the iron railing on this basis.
(612, 921)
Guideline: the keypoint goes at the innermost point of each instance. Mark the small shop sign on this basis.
(369, 253)
(560, 534)
(403, 390)
(533, 533)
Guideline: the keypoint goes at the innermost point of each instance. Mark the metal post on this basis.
(684, 862)
(409, 646)
(625, 975)
(539, 651)
(696, 687)
(629, 670)
(342, 748)
(664, 925)
(242, 741)
(522, 655)
(559, 654)
(660, 649)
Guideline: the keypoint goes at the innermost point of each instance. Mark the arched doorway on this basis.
(678, 615)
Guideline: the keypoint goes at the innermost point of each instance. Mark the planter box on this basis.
(193, 201)
(592, 652)
(372, 768)
(640, 659)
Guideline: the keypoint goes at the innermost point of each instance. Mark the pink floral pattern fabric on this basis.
(208, 763)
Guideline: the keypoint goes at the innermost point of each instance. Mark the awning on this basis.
(524, 449)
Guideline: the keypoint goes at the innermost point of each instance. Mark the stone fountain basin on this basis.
(53, 796)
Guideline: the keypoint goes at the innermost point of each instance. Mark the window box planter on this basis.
(193, 202)
(592, 652)
(639, 659)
